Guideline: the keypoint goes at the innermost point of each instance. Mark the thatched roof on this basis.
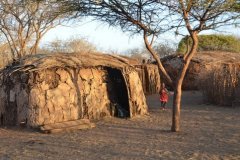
(72, 60)
(217, 57)
(133, 61)
(208, 57)
(201, 62)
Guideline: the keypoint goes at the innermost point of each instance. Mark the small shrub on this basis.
(212, 43)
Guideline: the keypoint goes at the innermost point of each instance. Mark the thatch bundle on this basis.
(46, 89)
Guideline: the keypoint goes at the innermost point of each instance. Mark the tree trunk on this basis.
(157, 58)
(178, 85)
(176, 108)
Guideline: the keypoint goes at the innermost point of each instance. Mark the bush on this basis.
(165, 49)
(212, 43)
(70, 45)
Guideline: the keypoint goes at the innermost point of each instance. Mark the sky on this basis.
(109, 39)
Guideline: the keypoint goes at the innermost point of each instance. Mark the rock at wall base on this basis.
(67, 126)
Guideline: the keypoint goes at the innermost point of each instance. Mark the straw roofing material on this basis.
(73, 60)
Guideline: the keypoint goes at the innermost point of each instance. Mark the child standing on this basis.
(163, 96)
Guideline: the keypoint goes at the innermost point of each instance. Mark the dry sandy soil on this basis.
(208, 132)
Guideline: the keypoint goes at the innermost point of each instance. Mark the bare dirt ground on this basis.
(208, 132)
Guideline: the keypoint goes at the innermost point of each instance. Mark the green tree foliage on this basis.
(212, 43)
(237, 7)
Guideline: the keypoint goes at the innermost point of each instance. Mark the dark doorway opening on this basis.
(118, 94)
(1, 119)
(11, 114)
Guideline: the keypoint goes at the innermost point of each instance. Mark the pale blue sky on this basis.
(104, 37)
(108, 39)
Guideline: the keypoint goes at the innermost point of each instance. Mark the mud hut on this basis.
(47, 89)
(216, 74)
(173, 65)
(201, 62)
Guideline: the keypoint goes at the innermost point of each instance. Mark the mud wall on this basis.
(137, 98)
(56, 95)
(149, 77)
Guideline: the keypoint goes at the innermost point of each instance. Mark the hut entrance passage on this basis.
(1, 119)
(118, 94)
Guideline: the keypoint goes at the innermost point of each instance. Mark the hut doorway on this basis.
(118, 94)
(1, 119)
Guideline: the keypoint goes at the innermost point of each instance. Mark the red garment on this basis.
(163, 95)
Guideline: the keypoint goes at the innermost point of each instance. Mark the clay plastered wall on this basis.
(94, 89)
(53, 98)
(137, 98)
(56, 95)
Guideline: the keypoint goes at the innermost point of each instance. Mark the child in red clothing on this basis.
(163, 96)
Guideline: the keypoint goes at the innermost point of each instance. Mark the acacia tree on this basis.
(153, 17)
(198, 15)
(146, 17)
(24, 23)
